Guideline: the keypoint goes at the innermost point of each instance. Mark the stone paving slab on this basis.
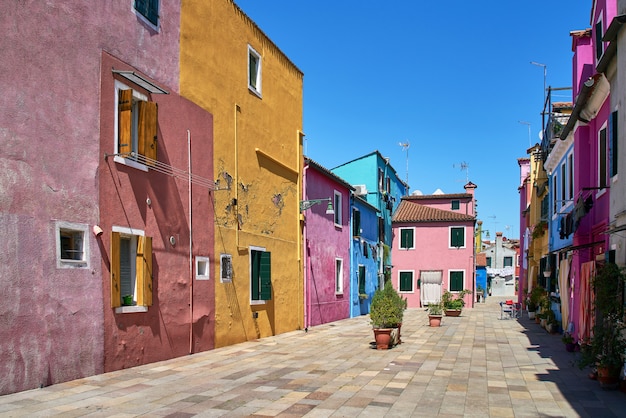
(476, 365)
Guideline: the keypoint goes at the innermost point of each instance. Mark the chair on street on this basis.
(506, 311)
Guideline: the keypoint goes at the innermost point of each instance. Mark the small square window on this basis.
(456, 205)
(202, 268)
(72, 245)
(254, 71)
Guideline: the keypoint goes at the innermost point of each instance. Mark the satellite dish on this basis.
(417, 193)
(540, 135)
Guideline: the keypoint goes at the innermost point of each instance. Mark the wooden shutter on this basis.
(406, 281)
(456, 281)
(116, 298)
(125, 121)
(147, 130)
(265, 275)
(362, 279)
(144, 271)
(457, 238)
(406, 238)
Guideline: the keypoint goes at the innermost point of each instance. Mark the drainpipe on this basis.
(190, 245)
(305, 259)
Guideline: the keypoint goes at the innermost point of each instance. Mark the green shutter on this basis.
(255, 284)
(406, 281)
(265, 275)
(361, 280)
(456, 281)
(457, 238)
(406, 238)
(356, 223)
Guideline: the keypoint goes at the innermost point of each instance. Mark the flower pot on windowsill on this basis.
(127, 300)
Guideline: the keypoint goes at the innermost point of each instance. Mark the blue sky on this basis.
(453, 79)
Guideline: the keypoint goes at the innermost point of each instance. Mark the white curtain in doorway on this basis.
(430, 285)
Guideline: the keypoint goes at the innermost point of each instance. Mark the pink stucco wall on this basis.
(52, 328)
(164, 331)
(432, 253)
(324, 243)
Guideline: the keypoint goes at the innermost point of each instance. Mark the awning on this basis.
(142, 82)
(590, 98)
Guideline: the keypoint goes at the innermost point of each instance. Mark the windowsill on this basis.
(71, 264)
(255, 92)
(130, 163)
(257, 302)
(130, 309)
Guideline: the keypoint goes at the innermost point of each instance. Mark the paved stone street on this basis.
(476, 365)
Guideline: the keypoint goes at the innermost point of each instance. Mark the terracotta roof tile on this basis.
(409, 211)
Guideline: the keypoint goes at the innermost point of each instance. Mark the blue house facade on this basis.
(364, 255)
(377, 182)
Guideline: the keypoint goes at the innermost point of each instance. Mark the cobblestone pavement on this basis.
(476, 365)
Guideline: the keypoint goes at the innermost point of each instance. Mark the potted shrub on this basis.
(568, 340)
(605, 350)
(386, 313)
(453, 304)
(534, 300)
(435, 312)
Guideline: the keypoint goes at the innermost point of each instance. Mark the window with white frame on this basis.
(457, 278)
(337, 208)
(72, 245)
(136, 127)
(602, 159)
(457, 237)
(599, 33)
(202, 268)
(407, 238)
(226, 268)
(260, 275)
(149, 9)
(131, 269)
(570, 177)
(254, 71)
(405, 281)
(338, 276)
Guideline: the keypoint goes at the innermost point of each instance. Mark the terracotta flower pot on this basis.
(434, 320)
(453, 312)
(608, 377)
(383, 338)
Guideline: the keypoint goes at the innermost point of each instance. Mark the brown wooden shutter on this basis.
(125, 120)
(116, 299)
(147, 130)
(144, 271)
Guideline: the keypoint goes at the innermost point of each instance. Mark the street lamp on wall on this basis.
(306, 204)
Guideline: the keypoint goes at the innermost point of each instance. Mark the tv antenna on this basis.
(463, 166)
(405, 147)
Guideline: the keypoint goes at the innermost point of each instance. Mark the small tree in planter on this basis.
(605, 350)
(386, 313)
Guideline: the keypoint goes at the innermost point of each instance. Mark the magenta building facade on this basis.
(64, 197)
(327, 258)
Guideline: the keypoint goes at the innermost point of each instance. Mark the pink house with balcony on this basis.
(433, 246)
